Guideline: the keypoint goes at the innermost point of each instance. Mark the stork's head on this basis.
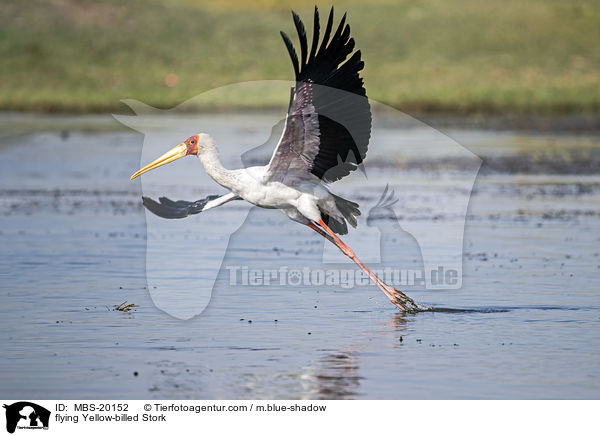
(194, 145)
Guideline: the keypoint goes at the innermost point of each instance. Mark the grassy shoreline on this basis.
(81, 56)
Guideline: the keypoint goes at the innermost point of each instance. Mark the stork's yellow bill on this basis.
(190, 146)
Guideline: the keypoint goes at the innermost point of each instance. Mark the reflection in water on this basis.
(399, 321)
(337, 374)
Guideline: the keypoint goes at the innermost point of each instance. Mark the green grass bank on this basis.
(464, 56)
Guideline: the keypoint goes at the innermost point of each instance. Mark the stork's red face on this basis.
(186, 148)
(192, 145)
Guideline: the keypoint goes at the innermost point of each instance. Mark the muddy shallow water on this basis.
(524, 324)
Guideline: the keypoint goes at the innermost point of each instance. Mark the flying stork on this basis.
(326, 135)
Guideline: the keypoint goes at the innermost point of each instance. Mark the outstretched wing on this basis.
(328, 124)
(180, 209)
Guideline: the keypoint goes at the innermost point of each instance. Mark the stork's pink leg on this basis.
(348, 252)
(398, 298)
(321, 232)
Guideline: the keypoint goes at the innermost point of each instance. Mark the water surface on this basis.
(525, 324)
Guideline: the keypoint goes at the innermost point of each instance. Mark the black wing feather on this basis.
(176, 209)
(291, 51)
(301, 36)
(327, 32)
(325, 125)
(315, 40)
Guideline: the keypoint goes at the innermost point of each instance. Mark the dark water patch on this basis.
(460, 310)
(554, 123)
(500, 309)
(531, 189)
(567, 162)
(66, 192)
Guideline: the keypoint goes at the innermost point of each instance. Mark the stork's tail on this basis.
(348, 208)
(349, 211)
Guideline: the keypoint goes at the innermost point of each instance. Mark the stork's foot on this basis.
(400, 299)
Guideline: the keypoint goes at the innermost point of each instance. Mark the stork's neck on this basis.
(209, 156)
